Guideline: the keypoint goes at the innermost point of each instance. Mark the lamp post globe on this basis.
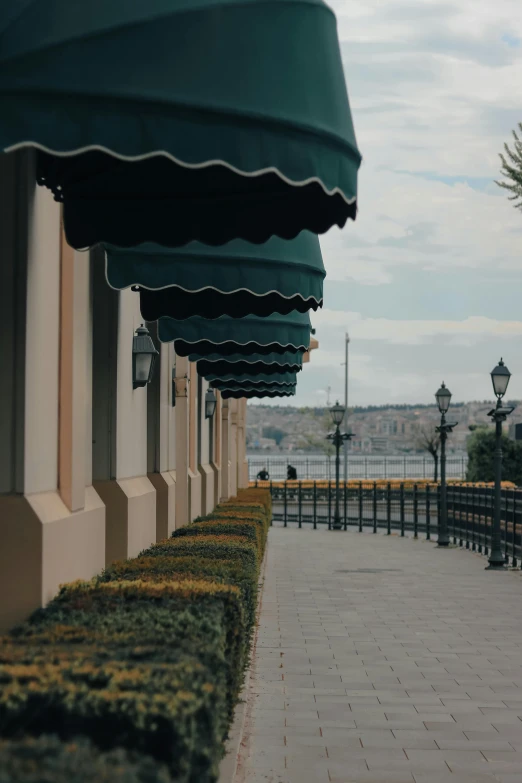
(443, 397)
(500, 376)
(337, 413)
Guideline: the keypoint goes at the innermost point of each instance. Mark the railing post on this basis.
(461, 494)
(487, 504)
(345, 504)
(360, 507)
(299, 504)
(329, 505)
(514, 560)
(473, 541)
(467, 516)
(307, 470)
(388, 508)
(451, 497)
(401, 496)
(285, 518)
(480, 506)
(315, 505)
(506, 517)
(428, 513)
(415, 512)
(375, 507)
(272, 498)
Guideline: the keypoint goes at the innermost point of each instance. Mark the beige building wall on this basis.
(206, 446)
(225, 449)
(55, 526)
(194, 476)
(232, 454)
(182, 386)
(215, 457)
(52, 524)
(163, 473)
(130, 496)
(242, 462)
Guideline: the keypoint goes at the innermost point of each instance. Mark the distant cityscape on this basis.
(379, 431)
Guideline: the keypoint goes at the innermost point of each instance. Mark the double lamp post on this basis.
(500, 376)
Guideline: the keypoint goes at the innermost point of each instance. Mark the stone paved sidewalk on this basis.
(383, 660)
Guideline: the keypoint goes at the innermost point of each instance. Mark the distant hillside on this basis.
(378, 429)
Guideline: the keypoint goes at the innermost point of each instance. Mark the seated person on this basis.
(291, 473)
(263, 475)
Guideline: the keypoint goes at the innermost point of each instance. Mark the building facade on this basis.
(91, 469)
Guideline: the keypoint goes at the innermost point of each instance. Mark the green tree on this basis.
(481, 455)
(512, 169)
(429, 439)
(275, 433)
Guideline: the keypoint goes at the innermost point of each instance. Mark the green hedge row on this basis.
(145, 661)
(48, 760)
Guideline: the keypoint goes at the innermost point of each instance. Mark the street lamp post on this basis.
(500, 376)
(443, 397)
(338, 438)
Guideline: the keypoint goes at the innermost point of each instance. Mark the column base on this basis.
(165, 486)
(45, 545)
(207, 488)
(131, 516)
(194, 494)
(216, 469)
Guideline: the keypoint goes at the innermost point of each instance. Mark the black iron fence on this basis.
(405, 508)
(359, 468)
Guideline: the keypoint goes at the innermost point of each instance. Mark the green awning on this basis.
(250, 335)
(246, 380)
(255, 364)
(236, 279)
(175, 120)
(269, 391)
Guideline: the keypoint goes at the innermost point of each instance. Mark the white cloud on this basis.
(411, 332)
(435, 91)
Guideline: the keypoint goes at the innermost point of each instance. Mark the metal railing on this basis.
(359, 468)
(407, 508)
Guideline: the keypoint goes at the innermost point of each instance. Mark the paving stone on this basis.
(412, 675)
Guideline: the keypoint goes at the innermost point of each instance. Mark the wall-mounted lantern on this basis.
(143, 357)
(210, 404)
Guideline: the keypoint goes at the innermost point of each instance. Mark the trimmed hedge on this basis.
(221, 547)
(138, 706)
(48, 760)
(160, 568)
(148, 657)
(250, 529)
(164, 621)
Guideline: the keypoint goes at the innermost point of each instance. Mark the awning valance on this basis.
(174, 120)
(255, 364)
(248, 381)
(235, 279)
(226, 336)
(269, 391)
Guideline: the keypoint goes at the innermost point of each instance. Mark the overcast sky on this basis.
(428, 280)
